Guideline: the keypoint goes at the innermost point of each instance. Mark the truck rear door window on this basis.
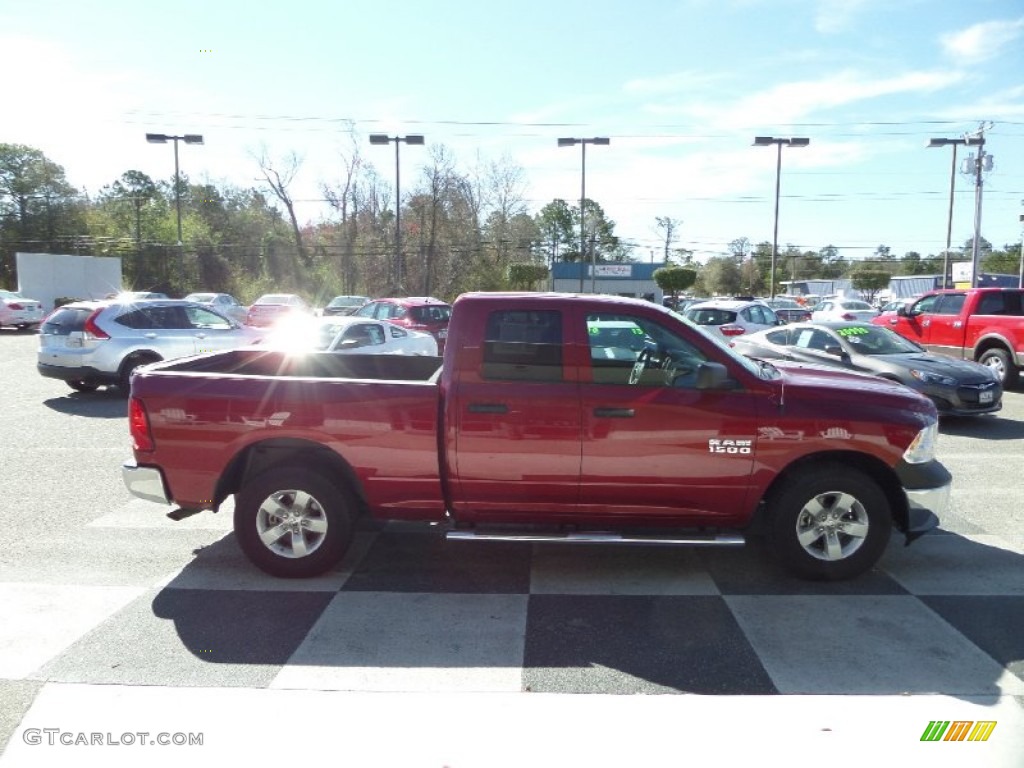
(523, 345)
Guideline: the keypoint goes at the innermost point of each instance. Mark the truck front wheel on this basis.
(293, 523)
(829, 523)
(999, 362)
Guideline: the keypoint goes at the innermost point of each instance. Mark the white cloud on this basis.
(793, 102)
(671, 83)
(835, 15)
(982, 41)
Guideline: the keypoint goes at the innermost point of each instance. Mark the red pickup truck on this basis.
(550, 417)
(981, 324)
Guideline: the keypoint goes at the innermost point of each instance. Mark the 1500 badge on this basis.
(744, 447)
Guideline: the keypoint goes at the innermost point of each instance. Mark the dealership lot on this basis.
(120, 619)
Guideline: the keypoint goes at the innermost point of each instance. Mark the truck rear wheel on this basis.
(293, 523)
(999, 362)
(829, 523)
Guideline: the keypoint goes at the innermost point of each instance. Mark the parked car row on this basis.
(89, 344)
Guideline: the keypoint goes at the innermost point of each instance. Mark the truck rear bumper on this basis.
(145, 482)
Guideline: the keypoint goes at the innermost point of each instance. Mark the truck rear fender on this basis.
(258, 457)
(875, 468)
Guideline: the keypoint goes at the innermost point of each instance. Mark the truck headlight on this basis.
(922, 449)
(933, 378)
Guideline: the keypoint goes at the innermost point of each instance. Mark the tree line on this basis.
(461, 230)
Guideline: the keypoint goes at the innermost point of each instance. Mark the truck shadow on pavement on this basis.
(108, 403)
(409, 611)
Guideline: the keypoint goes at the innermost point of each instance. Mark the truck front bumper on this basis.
(927, 488)
(145, 482)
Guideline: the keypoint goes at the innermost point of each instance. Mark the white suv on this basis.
(731, 317)
(89, 343)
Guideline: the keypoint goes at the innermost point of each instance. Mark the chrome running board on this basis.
(600, 537)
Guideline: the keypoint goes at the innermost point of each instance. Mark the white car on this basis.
(346, 333)
(222, 303)
(732, 317)
(19, 311)
(839, 310)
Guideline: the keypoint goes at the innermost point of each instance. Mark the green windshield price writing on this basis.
(856, 331)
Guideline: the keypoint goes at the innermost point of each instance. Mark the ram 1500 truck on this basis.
(550, 417)
(981, 324)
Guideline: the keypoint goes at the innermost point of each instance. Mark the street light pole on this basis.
(381, 138)
(188, 138)
(601, 141)
(969, 141)
(767, 141)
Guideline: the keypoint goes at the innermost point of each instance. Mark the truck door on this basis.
(514, 420)
(943, 329)
(917, 319)
(653, 445)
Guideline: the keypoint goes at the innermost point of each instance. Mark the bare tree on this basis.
(441, 182)
(279, 176)
(668, 228)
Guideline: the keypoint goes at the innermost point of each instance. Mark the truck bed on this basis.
(314, 365)
(376, 413)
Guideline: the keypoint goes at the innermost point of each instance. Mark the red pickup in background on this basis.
(551, 417)
(981, 324)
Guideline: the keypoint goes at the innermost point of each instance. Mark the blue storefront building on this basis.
(620, 279)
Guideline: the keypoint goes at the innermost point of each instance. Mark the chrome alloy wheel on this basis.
(832, 526)
(291, 524)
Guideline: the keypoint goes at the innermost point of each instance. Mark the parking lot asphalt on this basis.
(420, 652)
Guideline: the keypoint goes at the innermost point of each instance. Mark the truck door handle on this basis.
(488, 408)
(614, 413)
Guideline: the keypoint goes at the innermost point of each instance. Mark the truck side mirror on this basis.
(711, 375)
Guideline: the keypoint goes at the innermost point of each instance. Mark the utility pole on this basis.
(1020, 274)
(981, 162)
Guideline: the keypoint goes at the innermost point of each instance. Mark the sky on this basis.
(679, 87)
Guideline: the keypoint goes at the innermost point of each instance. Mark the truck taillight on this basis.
(732, 330)
(92, 330)
(138, 425)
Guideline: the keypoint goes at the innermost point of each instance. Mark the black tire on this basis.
(998, 360)
(829, 523)
(124, 376)
(322, 525)
(83, 386)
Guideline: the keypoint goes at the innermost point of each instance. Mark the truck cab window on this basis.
(620, 343)
(523, 345)
(949, 304)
